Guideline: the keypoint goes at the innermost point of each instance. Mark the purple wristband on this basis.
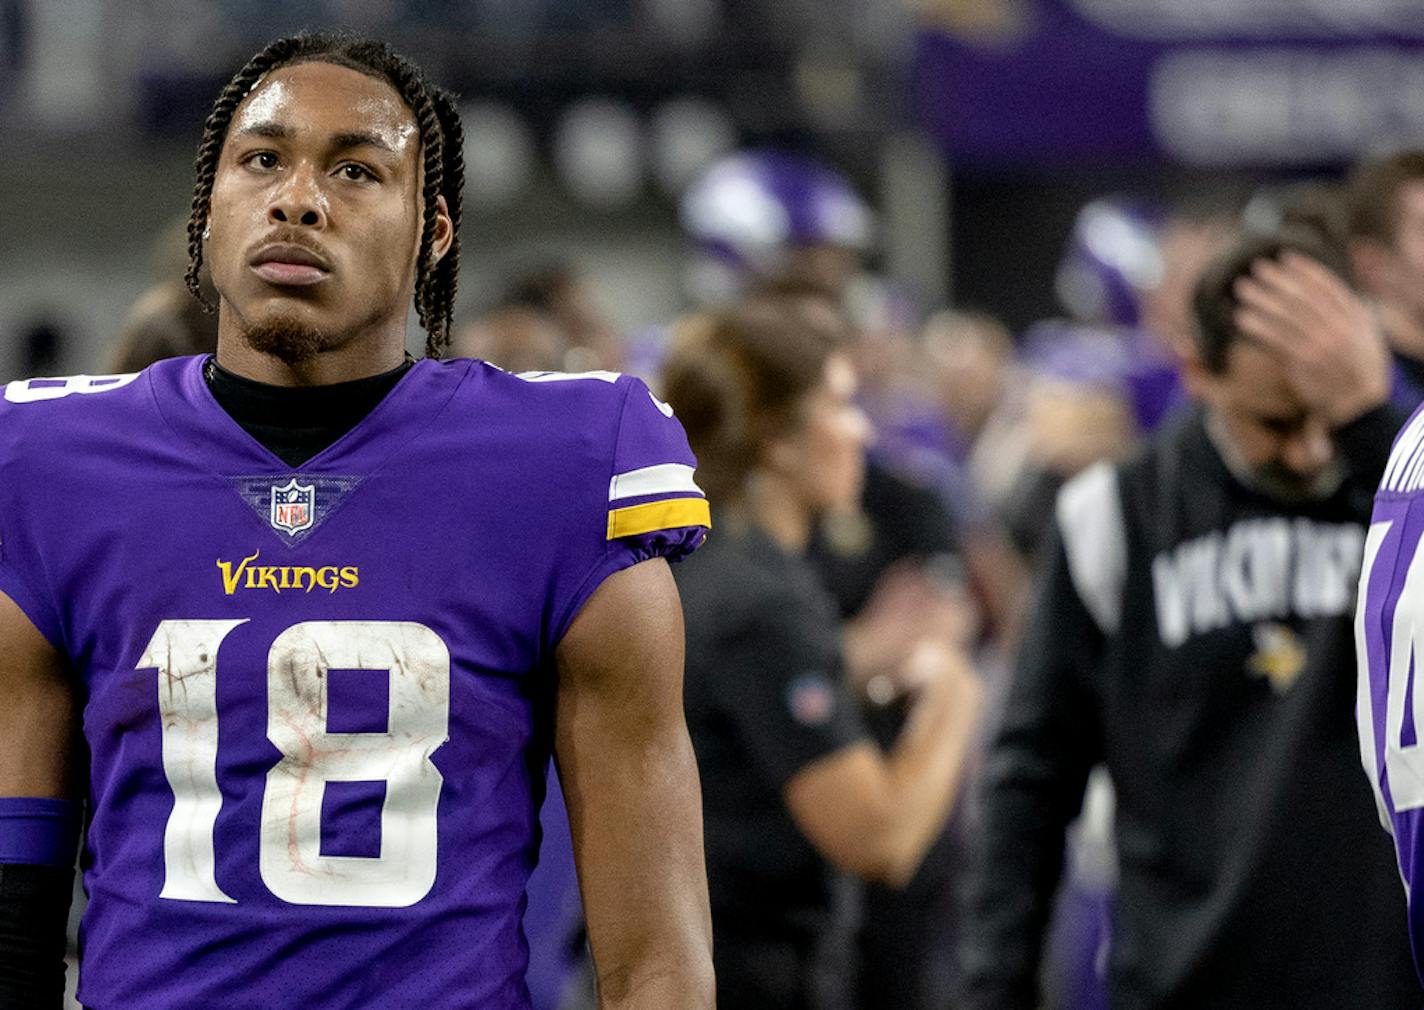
(39, 832)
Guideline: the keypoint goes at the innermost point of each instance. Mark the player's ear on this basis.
(444, 231)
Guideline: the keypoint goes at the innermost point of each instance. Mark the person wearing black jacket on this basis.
(1192, 631)
(795, 792)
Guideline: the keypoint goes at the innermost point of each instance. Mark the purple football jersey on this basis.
(1389, 632)
(319, 701)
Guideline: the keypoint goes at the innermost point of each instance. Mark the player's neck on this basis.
(360, 358)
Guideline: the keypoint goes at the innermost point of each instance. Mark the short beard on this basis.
(1283, 484)
(287, 339)
(1275, 480)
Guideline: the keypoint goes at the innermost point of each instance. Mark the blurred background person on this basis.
(1385, 222)
(516, 337)
(913, 554)
(1193, 630)
(1077, 412)
(41, 341)
(762, 218)
(794, 787)
(562, 294)
(973, 369)
(543, 319)
(1193, 232)
(1106, 372)
(1112, 263)
(166, 322)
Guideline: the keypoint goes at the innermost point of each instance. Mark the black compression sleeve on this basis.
(34, 909)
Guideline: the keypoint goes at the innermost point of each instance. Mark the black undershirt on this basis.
(295, 423)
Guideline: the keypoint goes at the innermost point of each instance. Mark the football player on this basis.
(322, 613)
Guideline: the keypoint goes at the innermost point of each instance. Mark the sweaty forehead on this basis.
(319, 100)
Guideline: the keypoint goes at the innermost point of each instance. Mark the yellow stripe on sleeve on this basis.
(658, 515)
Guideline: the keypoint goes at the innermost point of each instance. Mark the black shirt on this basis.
(906, 948)
(295, 423)
(1197, 638)
(897, 520)
(765, 697)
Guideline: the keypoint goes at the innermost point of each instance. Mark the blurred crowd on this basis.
(885, 477)
(841, 878)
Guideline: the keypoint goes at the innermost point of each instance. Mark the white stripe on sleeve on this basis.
(568, 376)
(664, 478)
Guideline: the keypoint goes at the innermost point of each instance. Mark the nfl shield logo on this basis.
(293, 507)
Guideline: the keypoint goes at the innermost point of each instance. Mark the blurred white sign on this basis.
(598, 151)
(1186, 19)
(1284, 105)
(65, 90)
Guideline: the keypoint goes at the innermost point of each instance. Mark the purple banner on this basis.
(1208, 82)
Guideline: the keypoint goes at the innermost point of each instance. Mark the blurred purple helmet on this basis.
(1112, 259)
(749, 209)
(1083, 354)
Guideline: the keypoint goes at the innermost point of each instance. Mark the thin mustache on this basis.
(284, 244)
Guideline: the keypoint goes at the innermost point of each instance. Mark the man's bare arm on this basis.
(635, 805)
(37, 711)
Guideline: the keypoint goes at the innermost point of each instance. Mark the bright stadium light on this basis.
(688, 134)
(499, 154)
(686, 22)
(598, 151)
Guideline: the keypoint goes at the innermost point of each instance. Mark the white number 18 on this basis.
(290, 859)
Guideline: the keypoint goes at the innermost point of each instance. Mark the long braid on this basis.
(442, 139)
(434, 149)
(446, 280)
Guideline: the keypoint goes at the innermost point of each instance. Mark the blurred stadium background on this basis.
(978, 130)
(976, 127)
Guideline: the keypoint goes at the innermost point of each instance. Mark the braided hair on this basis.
(442, 140)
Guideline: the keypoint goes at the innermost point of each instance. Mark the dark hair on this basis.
(1321, 208)
(540, 289)
(736, 379)
(441, 138)
(1214, 299)
(1373, 193)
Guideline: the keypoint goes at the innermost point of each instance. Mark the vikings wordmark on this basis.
(282, 578)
